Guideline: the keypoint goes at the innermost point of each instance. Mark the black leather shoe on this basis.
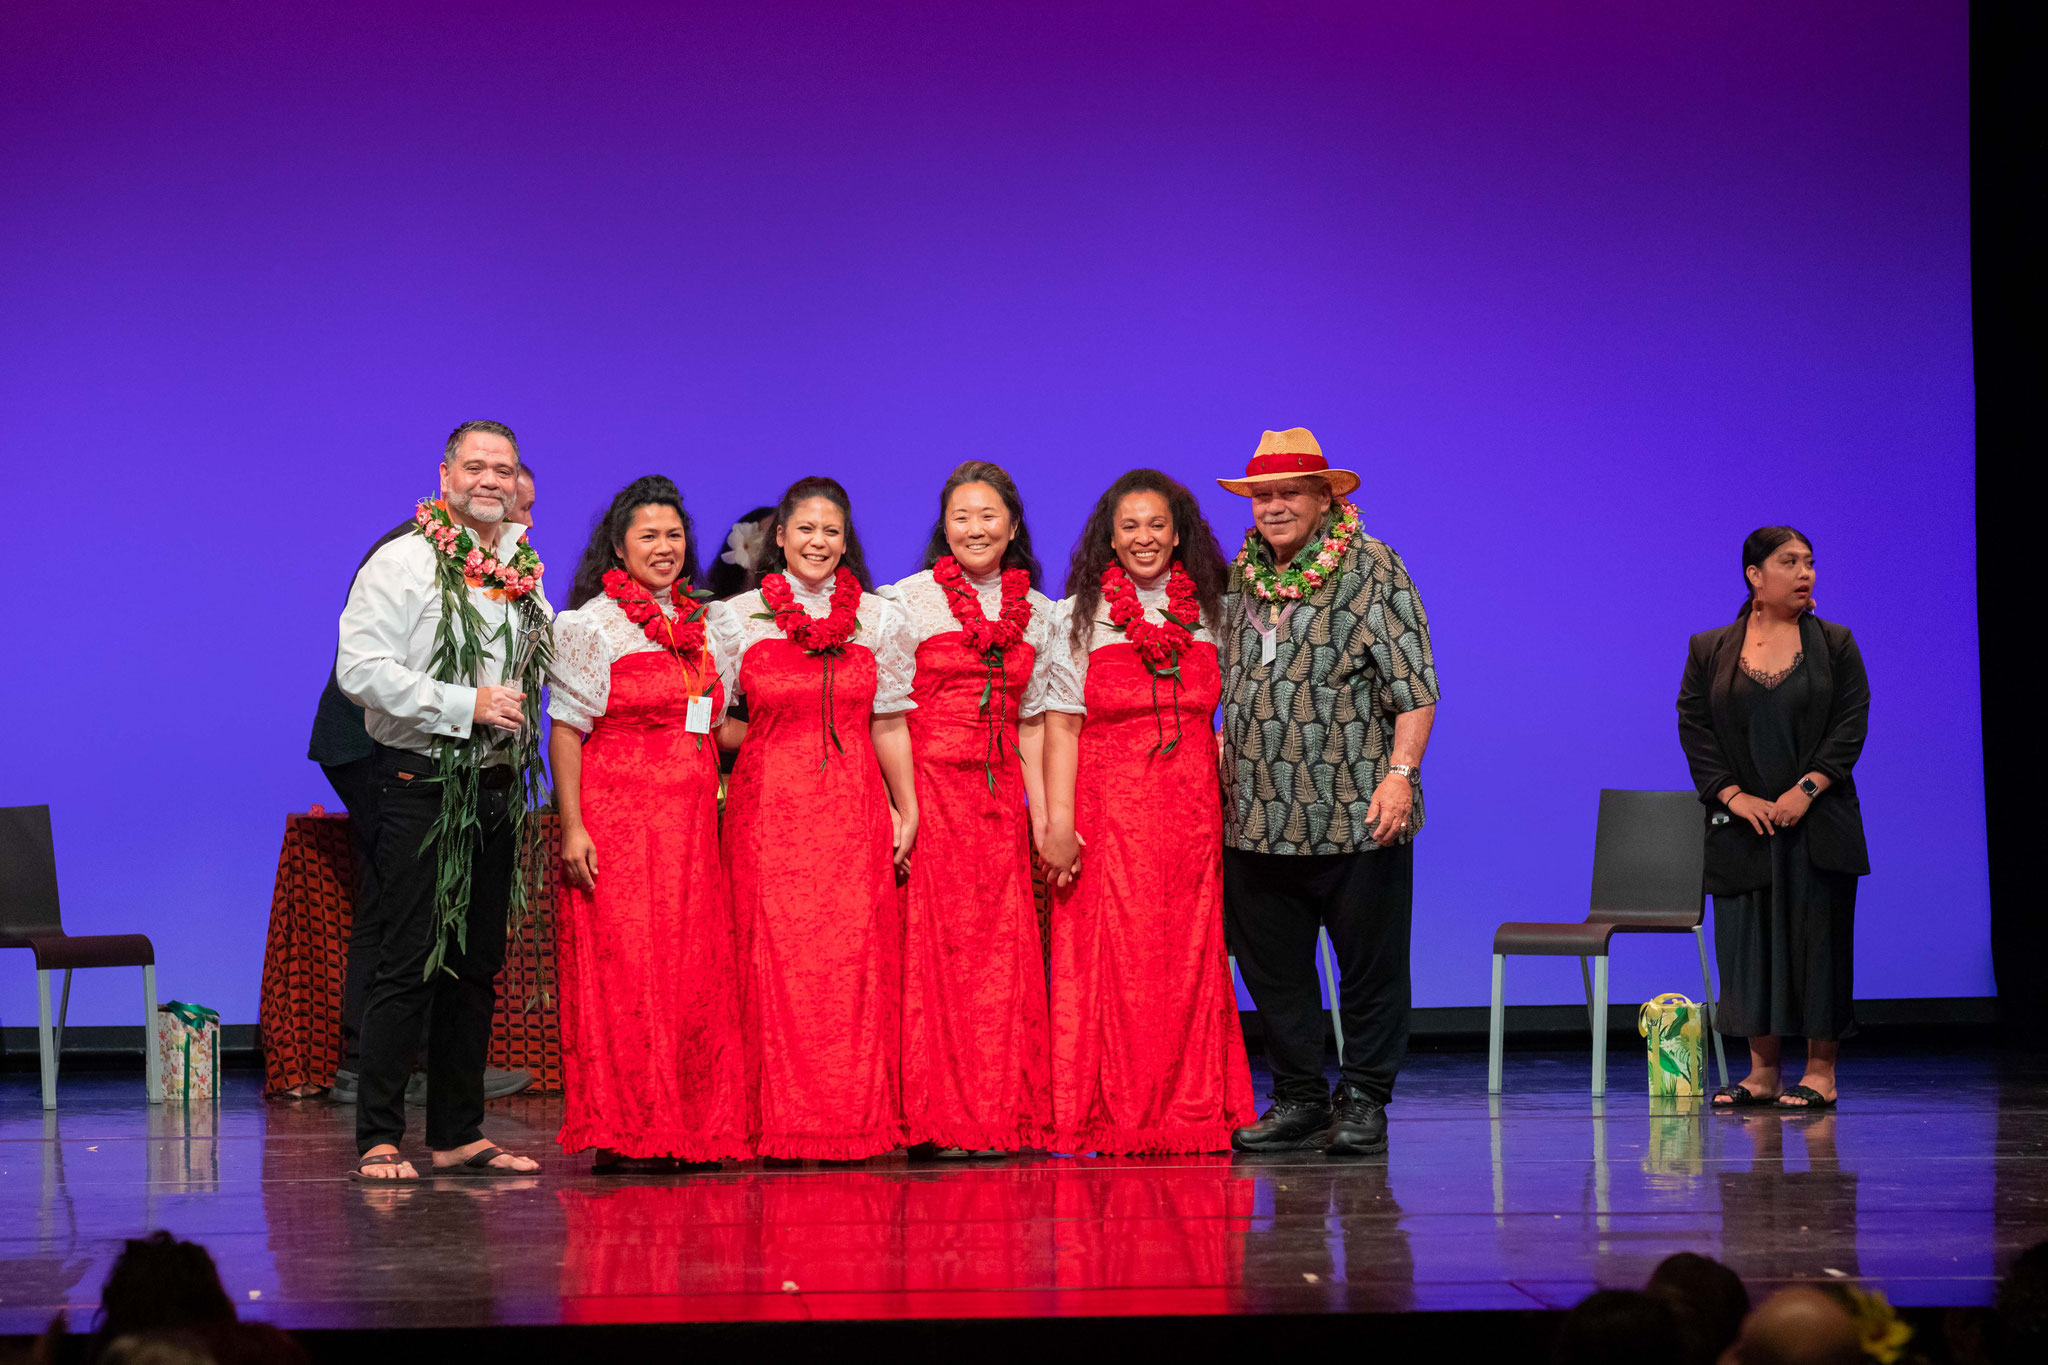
(1288, 1126)
(1358, 1124)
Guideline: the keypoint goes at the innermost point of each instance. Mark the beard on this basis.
(489, 511)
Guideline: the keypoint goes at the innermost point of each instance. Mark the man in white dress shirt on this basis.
(385, 664)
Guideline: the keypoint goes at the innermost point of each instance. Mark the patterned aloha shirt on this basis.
(1307, 737)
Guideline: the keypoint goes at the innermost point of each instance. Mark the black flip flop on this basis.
(632, 1165)
(1814, 1101)
(479, 1167)
(1739, 1097)
(381, 1159)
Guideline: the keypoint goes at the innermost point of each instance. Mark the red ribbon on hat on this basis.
(1286, 462)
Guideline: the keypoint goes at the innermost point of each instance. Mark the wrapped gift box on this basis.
(187, 1059)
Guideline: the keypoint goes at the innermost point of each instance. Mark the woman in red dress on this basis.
(975, 1043)
(1147, 1055)
(650, 1005)
(820, 812)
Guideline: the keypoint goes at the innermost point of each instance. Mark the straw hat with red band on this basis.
(1290, 454)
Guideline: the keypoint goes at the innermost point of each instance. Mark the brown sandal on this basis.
(363, 1164)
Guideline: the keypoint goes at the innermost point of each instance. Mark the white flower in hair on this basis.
(746, 542)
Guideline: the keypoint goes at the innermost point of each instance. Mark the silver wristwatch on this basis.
(1409, 771)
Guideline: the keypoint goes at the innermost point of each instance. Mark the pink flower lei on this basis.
(503, 581)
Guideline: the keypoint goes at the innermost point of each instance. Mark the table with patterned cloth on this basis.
(303, 962)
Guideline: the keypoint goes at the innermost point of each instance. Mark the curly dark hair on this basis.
(818, 486)
(1197, 552)
(1019, 554)
(608, 537)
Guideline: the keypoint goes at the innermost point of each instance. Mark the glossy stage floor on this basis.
(1927, 1182)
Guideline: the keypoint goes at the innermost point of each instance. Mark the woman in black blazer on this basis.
(1772, 714)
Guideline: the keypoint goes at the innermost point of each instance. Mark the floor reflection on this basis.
(1926, 1183)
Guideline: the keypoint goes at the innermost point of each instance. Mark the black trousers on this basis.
(356, 784)
(1273, 904)
(453, 1006)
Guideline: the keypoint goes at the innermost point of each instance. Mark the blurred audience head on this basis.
(1708, 1299)
(160, 1284)
(1798, 1326)
(1616, 1327)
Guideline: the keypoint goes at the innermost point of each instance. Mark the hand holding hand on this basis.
(902, 836)
(1788, 809)
(1061, 855)
(500, 708)
(1761, 814)
(579, 859)
(1393, 801)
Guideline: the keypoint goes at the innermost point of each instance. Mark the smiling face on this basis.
(1288, 512)
(813, 539)
(1784, 581)
(478, 479)
(653, 547)
(1142, 535)
(979, 528)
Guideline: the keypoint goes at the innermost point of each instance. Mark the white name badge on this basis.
(1268, 645)
(699, 721)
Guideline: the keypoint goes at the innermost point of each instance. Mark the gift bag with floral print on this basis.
(187, 1058)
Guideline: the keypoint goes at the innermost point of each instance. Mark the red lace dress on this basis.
(1147, 1052)
(807, 847)
(652, 1058)
(975, 1028)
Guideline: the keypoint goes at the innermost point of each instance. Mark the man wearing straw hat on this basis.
(1329, 690)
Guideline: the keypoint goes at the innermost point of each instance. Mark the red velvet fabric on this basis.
(975, 1026)
(650, 987)
(1147, 1053)
(819, 920)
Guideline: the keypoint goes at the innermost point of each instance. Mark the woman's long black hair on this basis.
(1760, 545)
(608, 537)
(725, 578)
(1019, 554)
(1197, 552)
(818, 486)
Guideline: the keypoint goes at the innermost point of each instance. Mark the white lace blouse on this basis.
(588, 641)
(924, 605)
(1067, 687)
(731, 630)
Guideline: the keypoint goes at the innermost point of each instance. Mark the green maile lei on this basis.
(462, 640)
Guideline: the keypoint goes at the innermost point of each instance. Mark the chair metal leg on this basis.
(46, 1040)
(152, 1083)
(1332, 994)
(63, 1010)
(1586, 975)
(1600, 1027)
(1495, 1022)
(1699, 936)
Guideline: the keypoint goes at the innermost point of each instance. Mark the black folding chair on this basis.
(29, 919)
(1649, 877)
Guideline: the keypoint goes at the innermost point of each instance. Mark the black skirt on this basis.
(1786, 951)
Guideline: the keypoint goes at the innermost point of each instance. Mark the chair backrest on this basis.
(28, 873)
(1649, 857)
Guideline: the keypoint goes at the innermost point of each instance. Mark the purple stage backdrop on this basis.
(1585, 290)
